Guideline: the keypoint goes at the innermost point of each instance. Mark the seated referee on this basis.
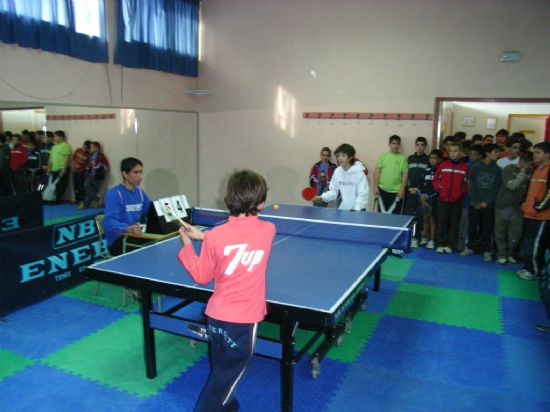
(126, 205)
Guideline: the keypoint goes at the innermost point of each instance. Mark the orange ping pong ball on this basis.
(275, 206)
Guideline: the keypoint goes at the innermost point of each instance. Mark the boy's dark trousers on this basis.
(448, 221)
(412, 208)
(536, 237)
(484, 219)
(388, 199)
(62, 184)
(231, 345)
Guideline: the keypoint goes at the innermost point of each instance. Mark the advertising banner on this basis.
(38, 263)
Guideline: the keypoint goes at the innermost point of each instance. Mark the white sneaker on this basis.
(487, 257)
(414, 244)
(502, 260)
(430, 245)
(525, 274)
(512, 260)
(447, 249)
(440, 249)
(423, 241)
(466, 252)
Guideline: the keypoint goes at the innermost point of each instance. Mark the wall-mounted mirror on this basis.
(165, 141)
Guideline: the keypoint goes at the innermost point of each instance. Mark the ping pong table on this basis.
(317, 277)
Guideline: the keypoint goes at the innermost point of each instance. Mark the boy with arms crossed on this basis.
(483, 186)
(508, 216)
(235, 256)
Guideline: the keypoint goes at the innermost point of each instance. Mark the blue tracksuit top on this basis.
(124, 208)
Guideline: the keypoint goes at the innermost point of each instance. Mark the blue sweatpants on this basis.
(231, 346)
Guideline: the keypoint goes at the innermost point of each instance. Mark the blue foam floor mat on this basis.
(438, 353)
(23, 392)
(41, 329)
(455, 275)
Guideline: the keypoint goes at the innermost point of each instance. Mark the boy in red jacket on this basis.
(235, 256)
(451, 183)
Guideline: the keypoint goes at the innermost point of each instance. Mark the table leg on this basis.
(377, 277)
(148, 335)
(287, 365)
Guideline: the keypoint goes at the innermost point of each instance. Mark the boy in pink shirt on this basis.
(234, 256)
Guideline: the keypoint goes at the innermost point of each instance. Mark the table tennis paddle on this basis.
(170, 213)
(309, 193)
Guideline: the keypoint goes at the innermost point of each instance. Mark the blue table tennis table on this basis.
(317, 277)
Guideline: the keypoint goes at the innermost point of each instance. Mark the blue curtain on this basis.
(75, 28)
(159, 35)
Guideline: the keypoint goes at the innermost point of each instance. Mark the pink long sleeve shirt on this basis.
(235, 257)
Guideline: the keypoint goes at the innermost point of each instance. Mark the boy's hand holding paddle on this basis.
(186, 231)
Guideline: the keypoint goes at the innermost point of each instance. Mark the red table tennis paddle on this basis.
(309, 193)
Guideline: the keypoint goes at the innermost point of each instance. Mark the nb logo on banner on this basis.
(68, 234)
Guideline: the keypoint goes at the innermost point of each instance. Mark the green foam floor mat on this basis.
(363, 326)
(451, 307)
(107, 295)
(512, 286)
(395, 268)
(11, 363)
(113, 356)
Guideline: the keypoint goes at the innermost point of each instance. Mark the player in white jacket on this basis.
(348, 180)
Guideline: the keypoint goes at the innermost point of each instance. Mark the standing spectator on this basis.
(96, 170)
(487, 139)
(501, 137)
(536, 232)
(45, 144)
(58, 164)
(5, 185)
(513, 145)
(349, 182)
(477, 139)
(484, 184)
(428, 200)
(451, 184)
(33, 166)
(321, 174)
(475, 154)
(447, 142)
(390, 177)
(418, 163)
(79, 162)
(18, 159)
(508, 216)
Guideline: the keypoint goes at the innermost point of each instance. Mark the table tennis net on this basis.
(385, 236)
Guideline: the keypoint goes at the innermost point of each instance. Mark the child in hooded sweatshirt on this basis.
(348, 181)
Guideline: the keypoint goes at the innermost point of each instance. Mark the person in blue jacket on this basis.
(126, 205)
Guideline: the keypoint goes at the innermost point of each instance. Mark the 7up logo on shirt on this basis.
(242, 256)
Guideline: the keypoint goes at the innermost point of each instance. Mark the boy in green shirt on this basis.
(390, 178)
(58, 163)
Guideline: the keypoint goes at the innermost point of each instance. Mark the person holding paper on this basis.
(126, 205)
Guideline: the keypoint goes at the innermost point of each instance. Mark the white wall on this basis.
(368, 56)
